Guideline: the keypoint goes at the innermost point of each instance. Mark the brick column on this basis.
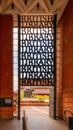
(6, 67)
(51, 103)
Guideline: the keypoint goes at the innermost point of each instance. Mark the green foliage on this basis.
(41, 97)
(21, 95)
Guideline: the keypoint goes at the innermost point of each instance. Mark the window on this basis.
(15, 58)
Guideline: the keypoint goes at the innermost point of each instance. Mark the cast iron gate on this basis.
(37, 50)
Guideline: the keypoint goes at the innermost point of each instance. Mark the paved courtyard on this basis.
(38, 119)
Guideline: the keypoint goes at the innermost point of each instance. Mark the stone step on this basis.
(33, 103)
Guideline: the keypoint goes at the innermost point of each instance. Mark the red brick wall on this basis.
(6, 65)
(67, 58)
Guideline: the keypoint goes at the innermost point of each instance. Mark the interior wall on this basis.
(6, 67)
(66, 26)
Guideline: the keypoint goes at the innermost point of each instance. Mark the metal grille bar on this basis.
(37, 50)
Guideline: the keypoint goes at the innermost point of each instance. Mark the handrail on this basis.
(65, 112)
(24, 121)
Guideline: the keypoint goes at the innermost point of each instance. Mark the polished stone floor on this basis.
(38, 119)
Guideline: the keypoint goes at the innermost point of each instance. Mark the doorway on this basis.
(37, 54)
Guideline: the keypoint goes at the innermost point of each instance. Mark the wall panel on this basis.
(6, 67)
(66, 23)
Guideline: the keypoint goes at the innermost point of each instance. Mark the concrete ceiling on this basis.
(15, 7)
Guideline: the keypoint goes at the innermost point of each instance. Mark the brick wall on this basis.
(6, 67)
(66, 27)
(58, 55)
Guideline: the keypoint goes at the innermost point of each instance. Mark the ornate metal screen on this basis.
(36, 50)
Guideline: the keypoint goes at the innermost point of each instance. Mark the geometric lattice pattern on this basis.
(36, 58)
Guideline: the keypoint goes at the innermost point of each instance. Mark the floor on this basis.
(38, 119)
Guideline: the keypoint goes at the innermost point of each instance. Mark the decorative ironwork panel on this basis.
(36, 51)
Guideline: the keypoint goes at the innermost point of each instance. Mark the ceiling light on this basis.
(38, 5)
(25, 1)
(12, 5)
(0, 1)
(51, 1)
